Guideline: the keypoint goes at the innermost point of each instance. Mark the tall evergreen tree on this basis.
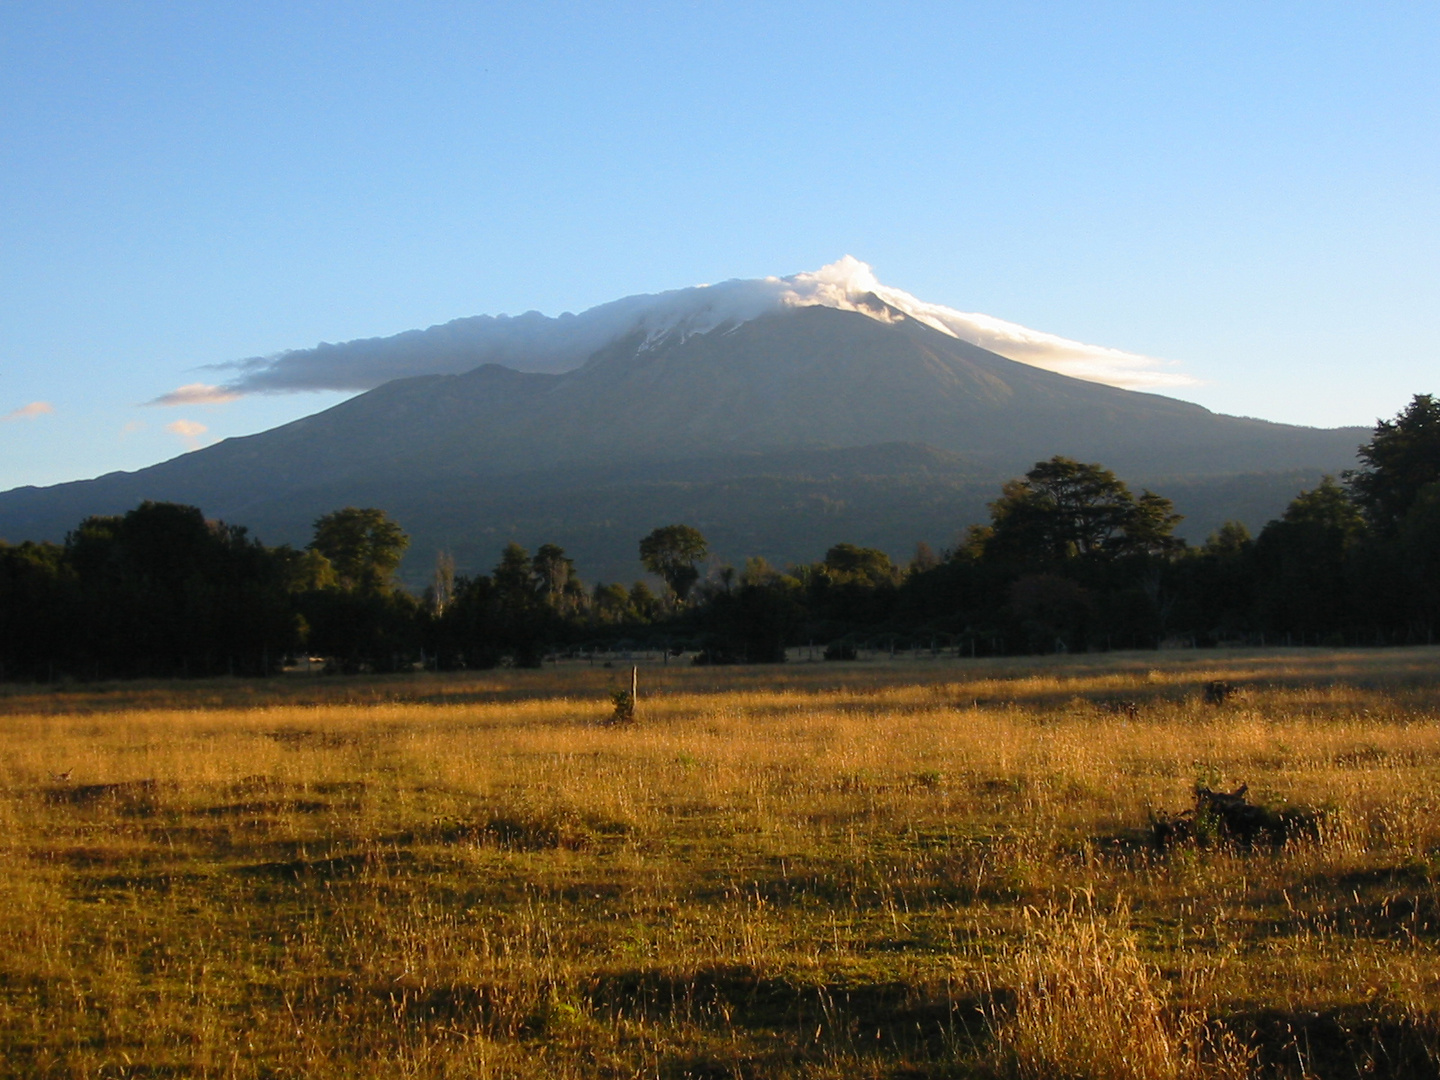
(1399, 460)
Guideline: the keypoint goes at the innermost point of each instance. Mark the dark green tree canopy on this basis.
(1231, 540)
(364, 546)
(850, 564)
(514, 579)
(555, 575)
(1302, 559)
(1065, 509)
(1400, 459)
(1326, 508)
(671, 552)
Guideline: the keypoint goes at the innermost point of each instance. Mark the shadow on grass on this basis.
(1341, 1043)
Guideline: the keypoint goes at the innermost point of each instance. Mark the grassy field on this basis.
(918, 868)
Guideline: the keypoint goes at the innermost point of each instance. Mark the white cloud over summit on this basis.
(842, 283)
(535, 342)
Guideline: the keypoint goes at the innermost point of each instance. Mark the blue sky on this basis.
(1249, 190)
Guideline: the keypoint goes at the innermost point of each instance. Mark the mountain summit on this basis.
(535, 342)
(778, 427)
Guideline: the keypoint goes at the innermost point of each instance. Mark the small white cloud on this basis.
(133, 426)
(196, 393)
(189, 430)
(29, 412)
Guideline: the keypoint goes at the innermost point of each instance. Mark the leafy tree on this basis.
(853, 586)
(522, 618)
(671, 552)
(644, 602)
(560, 587)
(442, 583)
(758, 571)
(1217, 586)
(524, 605)
(1419, 556)
(1230, 540)
(356, 616)
(972, 544)
(515, 584)
(165, 592)
(362, 630)
(610, 605)
(1052, 611)
(39, 611)
(1150, 527)
(1401, 458)
(848, 564)
(309, 571)
(364, 546)
(1064, 509)
(467, 632)
(1302, 561)
(924, 558)
(752, 623)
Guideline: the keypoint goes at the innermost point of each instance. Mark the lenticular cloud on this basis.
(535, 342)
(196, 394)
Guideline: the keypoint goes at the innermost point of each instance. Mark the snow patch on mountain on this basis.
(535, 342)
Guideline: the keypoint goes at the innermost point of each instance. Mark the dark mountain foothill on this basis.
(776, 437)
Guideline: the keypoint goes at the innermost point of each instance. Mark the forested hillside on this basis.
(1070, 559)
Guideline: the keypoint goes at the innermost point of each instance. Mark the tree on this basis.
(442, 584)
(357, 618)
(1231, 540)
(1064, 509)
(1302, 561)
(1218, 585)
(644, 603)
(610, 605)
(39, 611)
(671, 552)
(758, 571)
(363, 545)
(515, 582)
(1149, 529)
(1401, 458)
(1051, 611)
(362, 630)
(1419, 543)
(848, 564)
(162, 592)
(467, 633)
(924, 558)
(525, 622)
(752, 623)
(559, 585)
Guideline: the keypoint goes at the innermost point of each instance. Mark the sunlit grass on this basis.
(931, 867)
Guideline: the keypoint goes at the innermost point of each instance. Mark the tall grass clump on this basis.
(1088, 1007)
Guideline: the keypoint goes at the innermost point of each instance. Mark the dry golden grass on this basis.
(919, 868)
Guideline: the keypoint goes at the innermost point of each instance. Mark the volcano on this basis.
(776, 427)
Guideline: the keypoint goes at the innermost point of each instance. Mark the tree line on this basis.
(1071, 559)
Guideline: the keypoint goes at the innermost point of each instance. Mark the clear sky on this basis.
(1247, 189)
